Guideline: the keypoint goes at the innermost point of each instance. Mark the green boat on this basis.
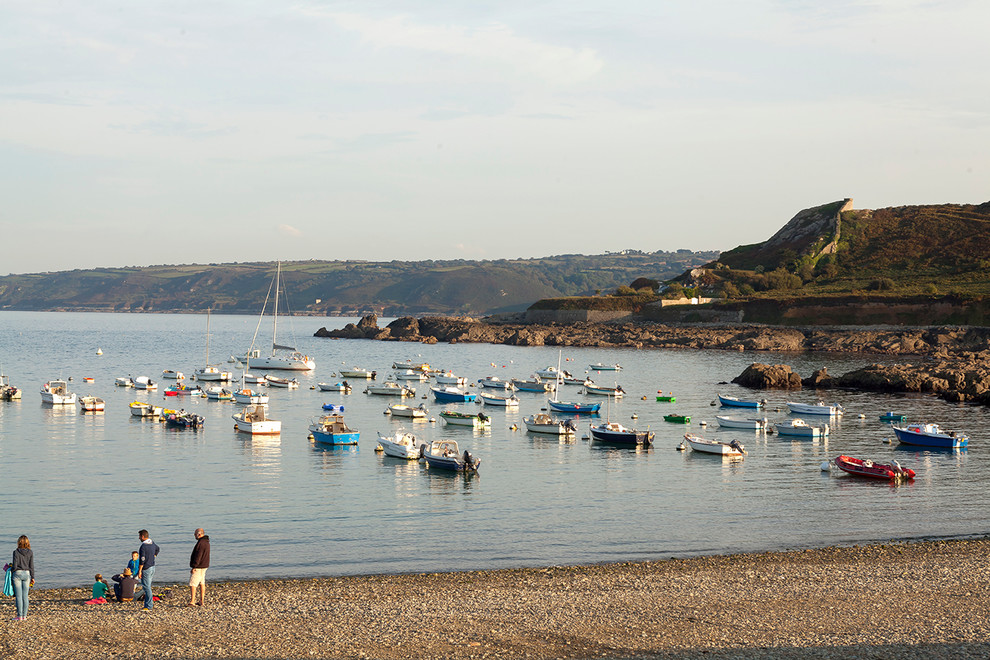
(677, 419)
(670, 398)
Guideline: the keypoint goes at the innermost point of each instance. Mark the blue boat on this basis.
(331, 430)
(735, 402)
(930, 435)
(580, 408)
(616, 434)
(893, 417)
(451, 395)
(331, 406)
(444, 454)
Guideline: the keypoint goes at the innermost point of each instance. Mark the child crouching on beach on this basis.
(100, 589)
(124, 585)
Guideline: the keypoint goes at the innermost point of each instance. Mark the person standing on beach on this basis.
(146, 567)
(199, 561)
(22, 572)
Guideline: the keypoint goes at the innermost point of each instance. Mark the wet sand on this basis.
(905, 600)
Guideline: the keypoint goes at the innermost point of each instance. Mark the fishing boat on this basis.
(445, 455)
(331, 430)
(599, 390)
(144, 409)
(284, 383)
(390, 388)
(748, 423)
(255, 420)
(552, 373)
(930, 435)
(872, 470)
(169, 374)
(530, 385)
(124, 381)
(409, 374)
(598, 366)
(450, 379)
(666, 398)
(574, 407)
(617, 434)
(893, 417)
(92, 404)
(56, 392)
(421, 367)
(217, 393)
(452, 395)
(577, 380)
(358, 372)
(544, 423)
(478, 421)
(282, 357)
(820, 408)
(677, 419)
(401, 445)
(145, 383)
(246, 395)
(7, 391)
(735, 402)
(409, 412)
(335, 387)
(209, 372)
(254, 379)
(494, 383)
(183, 420)
(706, 446)
(181, 389)
(801, 429)
(511, 401)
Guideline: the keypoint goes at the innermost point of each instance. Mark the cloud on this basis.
(289, 230)
(491, 43)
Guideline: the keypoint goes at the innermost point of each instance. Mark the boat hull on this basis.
(731, 402)
(285, 364)
(622, 438)
(574, 408)
(335, 438)
(870, 470)
(466, 420)
(705, 446)
(921, 439)
(446, 396)
(752, 424)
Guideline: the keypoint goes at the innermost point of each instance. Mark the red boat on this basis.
(866, 468)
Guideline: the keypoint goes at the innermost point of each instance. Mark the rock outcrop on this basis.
(769, 377)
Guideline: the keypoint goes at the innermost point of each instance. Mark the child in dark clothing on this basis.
(124, 587)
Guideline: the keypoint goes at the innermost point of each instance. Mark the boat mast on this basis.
(278, 271)
(207, 336)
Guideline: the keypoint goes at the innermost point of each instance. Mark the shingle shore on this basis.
(907, 600)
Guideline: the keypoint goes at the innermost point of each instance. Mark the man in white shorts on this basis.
(198, 563)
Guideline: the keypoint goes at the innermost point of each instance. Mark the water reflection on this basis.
(446, 482)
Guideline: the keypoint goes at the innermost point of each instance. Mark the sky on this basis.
(154, 132)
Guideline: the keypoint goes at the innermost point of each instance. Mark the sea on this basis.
(81, 486)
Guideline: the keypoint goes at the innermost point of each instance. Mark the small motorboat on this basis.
(706, 446)
(666, 398)
(598, 366)
(450, 379)
(255, 420)
(801, 429)
(552, 373)
(677, 419)
(145, 383)
(617, 434)
(390, 388)
(872, 470)
(217, 393)
(358, 372)
(544, 423)
(56, 392)
(246, 395)
(820, 408)
(169, 374)
(574, 407)
(735, 402)
(7, 391)
(331, 430)
(92, 404)
(530, 385)
(495, 400)
(211, 373)
(335, 387)
(180, 389)
(89, 379)
(124, 381)
(478, 420)
(285, 383)
(183, 420)
(748, 423)
(451, 394)
(409, 374)
(930, 435)
(254, 379)
(445, 455)
(495, 383)
(402, 410)
(401, 445)
(144, 409)
(421, 367)
(893, 417)
(599, 390)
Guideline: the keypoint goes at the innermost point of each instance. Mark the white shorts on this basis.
(197, 577)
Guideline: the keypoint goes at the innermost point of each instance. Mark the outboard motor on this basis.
(468, 459)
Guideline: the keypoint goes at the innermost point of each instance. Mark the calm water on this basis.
(81, 486)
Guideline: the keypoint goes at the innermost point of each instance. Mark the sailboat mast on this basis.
(207, 336)
(278, 272)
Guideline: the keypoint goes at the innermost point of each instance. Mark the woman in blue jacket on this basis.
(22, 571)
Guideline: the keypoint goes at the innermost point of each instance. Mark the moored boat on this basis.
(598, 366)
(335, 387)
(495, 400)
(600, 390)
(92, 404)
(445, 455)
(544, 423)
(332, 430)
(169, 374)
(281, 357)
(144, 409)
(736, 402)
(820, 408)
(247, 396)
(255, 420)
(450, 379)
(212, 374)
(124, 381)
(706, 446)
(930, 435)
(145, 383)
(409, 374)
(893, 417)
(217, 393)
(452, 395)
(390, 388)
(409, 412)
(478, 420)
(677, 419)
(530, 385)
(284, 383)
(401, 445)
(666, 398)
(56, 392)
(7, 391)
(181, 389)
(872, 470)
(617, 434)
(358, 372)
(749, 423)
(574, 407)
(800, 428)
(183, 420)
(494, 383)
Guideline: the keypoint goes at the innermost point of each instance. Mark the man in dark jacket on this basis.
(146, 567)
(198, 563)
(124, 587)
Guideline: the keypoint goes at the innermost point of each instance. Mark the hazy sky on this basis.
(147, 132)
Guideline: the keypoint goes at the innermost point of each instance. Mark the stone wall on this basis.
(563, 316)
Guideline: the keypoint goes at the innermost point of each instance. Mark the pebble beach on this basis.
(896, 600)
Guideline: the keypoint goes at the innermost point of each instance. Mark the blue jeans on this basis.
(22, 584)
(146, 576)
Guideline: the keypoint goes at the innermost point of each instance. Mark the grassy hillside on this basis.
(343, 287)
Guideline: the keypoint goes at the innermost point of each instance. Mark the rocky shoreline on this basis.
(901, 600)
(952, 363)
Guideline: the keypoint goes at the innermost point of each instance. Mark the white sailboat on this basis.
(210, 372)
(293, 360)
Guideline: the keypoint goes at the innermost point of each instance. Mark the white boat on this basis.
(750, 423)
(801, 429)
(145, 383)
(335, 387)
(92, 404)
(289, 358)
(402, 410)
(254, 379)
(551, 373)
(421, 367)
(124, 381)
(494, 383)
(494, 400)
(820, 408)
(706, 446)
(169, 374)
(390, 388)
(409, 374)
(534, 384)
(577, 380)
(444, 454)
(255, 420)
(218, 393)
(930, 435)
(400, 445)
(56, 392)
(7, 391)
(450, 379)
(478, 421)
(616, 391)
(246, 395)
(358, 372)
(598, 366)
(211, 373)
(144, 409)
(285, 383)
(544, 423)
